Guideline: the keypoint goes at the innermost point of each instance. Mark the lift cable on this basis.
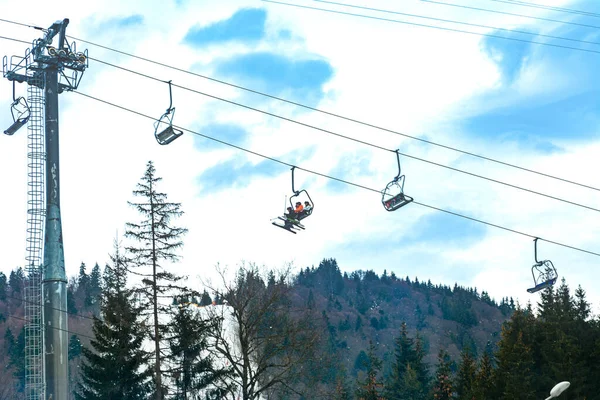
(512, 14)
(434, 27)
(348, 137)
(339, 116)
(456, 22)
(55, 327)
(75, 314)
(337, 179)
(15, 40)
(348, 118)
(353, 139)
(22, 24)
(550, 8)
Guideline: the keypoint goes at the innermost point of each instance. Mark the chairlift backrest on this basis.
(296, 193)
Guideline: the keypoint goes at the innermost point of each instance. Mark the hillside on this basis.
(363, 306)
(356, 308)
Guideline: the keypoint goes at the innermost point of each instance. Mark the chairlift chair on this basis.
(293, 225)
(170, 133)
(544, 273)
(20, 113)
(393, 196)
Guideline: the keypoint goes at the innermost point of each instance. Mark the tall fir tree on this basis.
(342, 390)
(16, 354)
(94, 289)
(409, 377)
(443, 387)
(465, 377)
(371, 388)
(116, 368)
(3, 286)
(205, 299)
(515, 373)
(564, 343)
(483, 386)
(16, 280)
(83, 282)
(157, 242)
(193, 370)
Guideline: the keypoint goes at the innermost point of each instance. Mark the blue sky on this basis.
(532, 105)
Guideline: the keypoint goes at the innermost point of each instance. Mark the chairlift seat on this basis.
(305, 213)
(542, 285)
(18, 124)
(168, 135)
(399, 200)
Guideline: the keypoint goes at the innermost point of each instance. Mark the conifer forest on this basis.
(137, 330)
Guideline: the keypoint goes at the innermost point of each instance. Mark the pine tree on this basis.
(370, 387)
(443, 387)
(466, 376)
(116, 368)
(158, 241)
(310, 303)
(341, 392)
(74, 347)
(483, 386)
(194, 371)
(16, 280)
(3, 286)
(83, 282)
(565, 341)
(515, 373)
(16, 354)
(408, 378)
(94, 288)
(9, 341)
(205, 300)
(581, 305)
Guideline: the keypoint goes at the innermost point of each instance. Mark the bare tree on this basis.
(263, 337)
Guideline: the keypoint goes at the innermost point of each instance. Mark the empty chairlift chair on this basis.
(393, 196)
(167, 134)
(544, 273)
(20, 113)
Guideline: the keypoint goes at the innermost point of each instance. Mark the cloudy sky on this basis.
(402, 66)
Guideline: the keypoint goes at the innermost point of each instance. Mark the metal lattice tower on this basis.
(36, 211)
(44, 68)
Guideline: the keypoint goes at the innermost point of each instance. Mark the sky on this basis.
(401, 66)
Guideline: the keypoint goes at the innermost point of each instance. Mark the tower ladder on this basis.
(36, 211)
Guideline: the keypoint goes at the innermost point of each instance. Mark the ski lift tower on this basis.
(48, 71)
